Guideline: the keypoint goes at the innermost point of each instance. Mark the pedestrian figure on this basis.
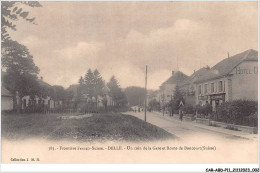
(181, 114)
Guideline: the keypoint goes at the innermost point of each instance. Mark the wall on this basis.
(245, 80)
(6, 103)
(217, 91)
(27, 98)
(240, 84)
(168, 92)
(188, 91)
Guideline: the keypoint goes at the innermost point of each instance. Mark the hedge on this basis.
(188, 109)
(204, 110)
(240, 112)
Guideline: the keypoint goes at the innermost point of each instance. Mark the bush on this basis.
(204, 110)
(154, 105)
(240, 112)
(188, 109)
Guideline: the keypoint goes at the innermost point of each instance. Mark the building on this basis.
(153, 95)
(167, 89)
(105, 99)
(80, 99)
(6, 99)
(13, 99)
(188, 86)
(231, 79)
(48, 101)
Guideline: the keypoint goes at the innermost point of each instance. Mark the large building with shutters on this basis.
(233, 78)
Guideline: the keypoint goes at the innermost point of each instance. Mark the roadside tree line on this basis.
(20, 73)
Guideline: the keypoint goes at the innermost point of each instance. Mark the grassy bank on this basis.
(99, 127)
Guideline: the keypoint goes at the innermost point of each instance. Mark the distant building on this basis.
(105, 98)
(153, 95)
(48, 102)
(167, 89)
(233, 78)
(82, 98)
(6, 99)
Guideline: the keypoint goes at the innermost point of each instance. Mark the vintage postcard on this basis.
(129, 82)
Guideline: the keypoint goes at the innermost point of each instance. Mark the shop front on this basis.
(203, 100)
(216, 99)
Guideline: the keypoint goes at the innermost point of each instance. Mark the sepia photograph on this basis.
(140, 82)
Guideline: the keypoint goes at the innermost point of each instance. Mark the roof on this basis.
(105, 89)
(42, 83)
(225, 66)
(73, 88)
(176, 78)
(196, 75)
(5, 92)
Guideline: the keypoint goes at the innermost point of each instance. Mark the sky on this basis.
(121, 38)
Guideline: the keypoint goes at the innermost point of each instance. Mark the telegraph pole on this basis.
(145, 102)
(163, 103)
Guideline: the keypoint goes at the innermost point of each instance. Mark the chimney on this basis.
(41, 78)
(172, 72)
(228, 54)
(194, 71)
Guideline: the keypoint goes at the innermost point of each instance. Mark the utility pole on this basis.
(163, 103)
(145, 102)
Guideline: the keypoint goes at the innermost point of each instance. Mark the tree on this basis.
(81, 88)
(135, 95)
(174, 104)
(154, 105)
(114, 89)
(89, 82)
(121, 99)
(98, 85)
(67, 98)
(98, 82)
(59, 93)
(118, 97)
(17, 57)
(21, 77)
(21, 72)
(11, 11)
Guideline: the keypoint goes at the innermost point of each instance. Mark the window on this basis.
(212, 88)
(199, 89)
(220, 86)
(205, 88)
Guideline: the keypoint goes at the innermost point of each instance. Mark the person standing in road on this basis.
(180, 114)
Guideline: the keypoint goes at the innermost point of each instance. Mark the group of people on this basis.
(141, 109)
